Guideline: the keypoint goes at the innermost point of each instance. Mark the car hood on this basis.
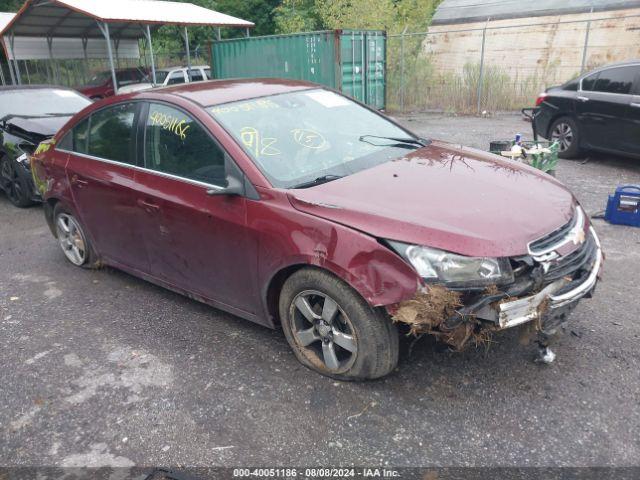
(449, 197)
(36, 129)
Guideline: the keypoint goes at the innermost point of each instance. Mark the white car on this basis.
(171, 76)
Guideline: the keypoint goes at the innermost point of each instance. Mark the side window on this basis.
(176, 77)
(196, 75)
(79, 137)
(112, 133)
(207, 73)
(616, 80)
(589, 82)
(571, 86)
(176, 144)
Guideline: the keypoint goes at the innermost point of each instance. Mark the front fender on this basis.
(288, 238)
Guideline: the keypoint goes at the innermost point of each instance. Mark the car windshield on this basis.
(39, 102)
(303, 138)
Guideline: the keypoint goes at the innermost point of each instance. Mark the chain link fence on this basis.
(502, 65)
(77, 72)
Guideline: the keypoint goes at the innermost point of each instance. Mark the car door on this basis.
(196, 242)
(602, 105)
(100, 171)
(631, 143)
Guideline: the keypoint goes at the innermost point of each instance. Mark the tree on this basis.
(297, 16)
(10, 5)
(260, 12)
(390, 15)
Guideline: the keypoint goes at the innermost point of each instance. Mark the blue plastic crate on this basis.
(623, 207)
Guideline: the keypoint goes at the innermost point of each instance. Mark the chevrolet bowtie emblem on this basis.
(579, 237)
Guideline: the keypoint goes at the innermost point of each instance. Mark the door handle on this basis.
(635, 105)
(75, 180)
(148, 206)
(582, 99)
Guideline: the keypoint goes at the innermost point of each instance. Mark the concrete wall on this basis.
(551, 52)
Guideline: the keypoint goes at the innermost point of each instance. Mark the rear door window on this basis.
(196, 75)
(178, 145)
(616, 80)
(176, 77)
(589, 82)
(80, 137)
(112, 133)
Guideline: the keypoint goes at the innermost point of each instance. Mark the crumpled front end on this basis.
(560, 269)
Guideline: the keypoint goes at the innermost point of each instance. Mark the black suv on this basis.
(599, 110)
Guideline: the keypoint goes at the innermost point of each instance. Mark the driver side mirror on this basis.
(234, 186)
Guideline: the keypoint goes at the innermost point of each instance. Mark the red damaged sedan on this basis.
(289, 204)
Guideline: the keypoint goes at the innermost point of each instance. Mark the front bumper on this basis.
(548, 304)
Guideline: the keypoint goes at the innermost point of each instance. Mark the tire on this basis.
(72, 238)
(340, 335)
(565, 130)
(17, 189)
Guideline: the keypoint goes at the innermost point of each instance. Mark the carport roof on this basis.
(77, 18)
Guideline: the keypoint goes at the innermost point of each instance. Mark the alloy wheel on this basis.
(71, 239)
(323, 330)
(563, 134)
(10, 182)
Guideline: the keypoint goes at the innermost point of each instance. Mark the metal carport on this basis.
(111, 20)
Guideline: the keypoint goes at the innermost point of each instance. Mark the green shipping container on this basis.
(352, 61)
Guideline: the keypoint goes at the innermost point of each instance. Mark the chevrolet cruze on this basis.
(291, 205)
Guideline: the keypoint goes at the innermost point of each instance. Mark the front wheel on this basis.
(333, 331)
(565, 131)
(15, 186)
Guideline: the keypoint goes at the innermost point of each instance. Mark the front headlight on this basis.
(24, 160)
(453, 270)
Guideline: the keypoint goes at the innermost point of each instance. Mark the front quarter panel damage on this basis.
(288, 239)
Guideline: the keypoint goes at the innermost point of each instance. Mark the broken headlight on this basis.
(453, 270)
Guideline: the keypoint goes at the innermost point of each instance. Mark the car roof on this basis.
(216, 92)
(613, 65)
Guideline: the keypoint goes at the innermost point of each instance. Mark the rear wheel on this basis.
(565, 131)
(72, 238)
(333, 330)
(14, 185)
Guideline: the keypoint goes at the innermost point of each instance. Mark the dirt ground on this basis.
(101, 368)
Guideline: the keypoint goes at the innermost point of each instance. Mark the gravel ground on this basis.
(101, 368)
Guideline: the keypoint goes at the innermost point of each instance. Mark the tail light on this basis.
(541, 99)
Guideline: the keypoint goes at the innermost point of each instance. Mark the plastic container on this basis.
(623, 207)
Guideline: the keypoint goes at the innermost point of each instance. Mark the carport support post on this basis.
(104, 28)
(147, 33)
(54, 68)
(85, 73)
(12, 39)
(481, 73)
(186, 44)
(13, 77)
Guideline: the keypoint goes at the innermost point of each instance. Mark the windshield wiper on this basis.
(318, 181)
(400, 142)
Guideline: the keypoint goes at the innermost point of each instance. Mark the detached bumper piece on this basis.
(564, 281)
